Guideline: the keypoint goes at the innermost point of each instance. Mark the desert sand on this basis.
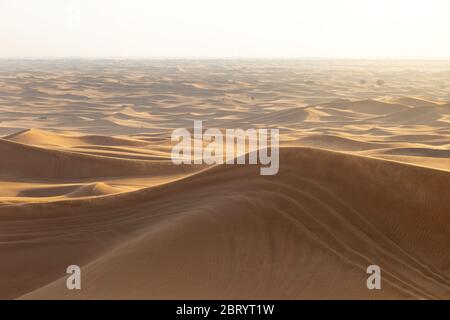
(86, 178)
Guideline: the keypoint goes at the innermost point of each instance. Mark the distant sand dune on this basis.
(93, 189)
(338, 143)
(419, 115)
(367, 106)
(415, 102)
(40, 137)
(55, 164)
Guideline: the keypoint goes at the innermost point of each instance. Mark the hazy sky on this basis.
(226, 28)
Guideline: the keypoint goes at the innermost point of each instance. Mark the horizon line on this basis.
(223, 58)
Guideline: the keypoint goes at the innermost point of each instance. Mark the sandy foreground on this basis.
(86, 178)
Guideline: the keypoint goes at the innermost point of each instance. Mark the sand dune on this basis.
(94, 189)
(56, 164)
(217, 233)
(419, 115)
(338, 143)
(45, 138)
(87, 190)
(86, 178)
(420, 152)
(369, 106)
(415, 102)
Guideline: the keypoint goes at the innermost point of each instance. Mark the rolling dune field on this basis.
(86, 178)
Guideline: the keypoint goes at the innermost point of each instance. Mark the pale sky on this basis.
(225, 28)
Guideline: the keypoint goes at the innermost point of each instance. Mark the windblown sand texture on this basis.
(86, 178)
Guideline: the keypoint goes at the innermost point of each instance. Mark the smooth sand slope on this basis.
(308, 232)
(86, 178)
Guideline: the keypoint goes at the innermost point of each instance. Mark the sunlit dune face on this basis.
(201, 28)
